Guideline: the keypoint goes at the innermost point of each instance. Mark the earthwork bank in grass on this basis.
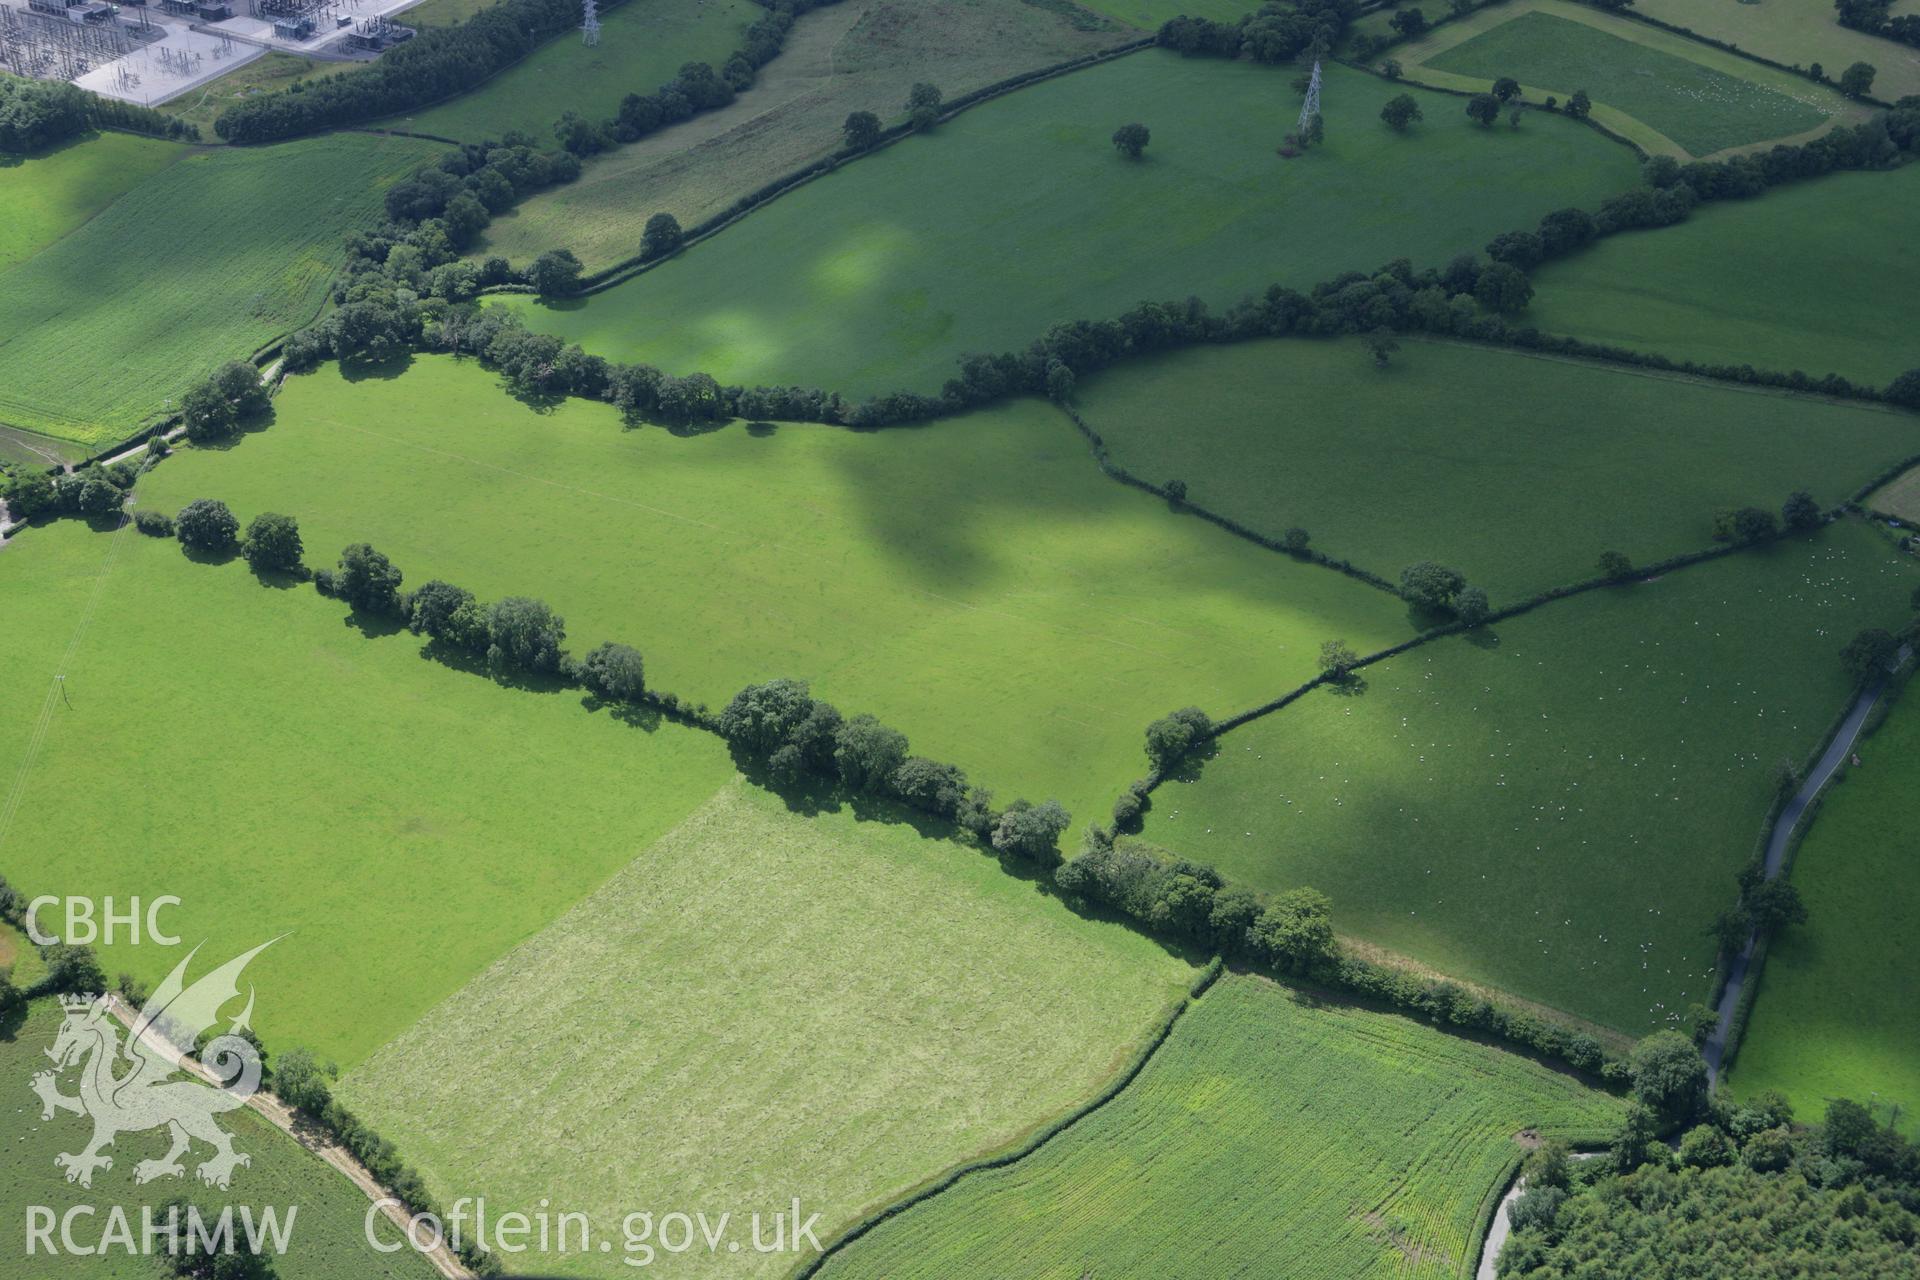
(643, 44)
(242, 745)
(1836, 1012)
(1519, 470)
(201, 263)
(762, 1006)
(853, 55)
(1556, 805)
(976, 582)
(1815, 276)
(45, 196)
(1020, 214)
(327, 1240)
(1702, 99)
(1351, 1143)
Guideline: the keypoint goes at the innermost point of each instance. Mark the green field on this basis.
(241, 746)
(269, 73)
(853, 55)
(897, 570)
(1271, 1125)
(1702, 109)
(1577, 458)
(327, 1241)
(643, 44)
(1556, 807)
(1814, 276)
(1147, 15)
(766, 1006)
(1838, 1011)
(1796, 33)
(45, 196)
(202, 263)
(1020, 214)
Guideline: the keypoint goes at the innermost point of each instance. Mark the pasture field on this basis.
(643, 44)
(1838, 1011)
(327, 1241)
(1900, 498)
(205, 261)
(1020, 213)
(761, 1006)
(1796, 33)
(1557, 805)
(240, 745)
(269, 73)
(899, 571)
(1282, 424)
(47, 195)
(1271, 1124)
(1812, 276)
(854, 55)
(1664, 91)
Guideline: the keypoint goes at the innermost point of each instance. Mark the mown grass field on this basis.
(1020, 213)
(1271, 1125)
(46, 196)
(978, 583)
(643, 44)
(854, 55)
(1557, 806)
(1838, 1011)
(1813, 276)
(765, 1006)
(202, 263)
(327, 1242)
(1667, 93)
(1516, 469)
(1900, 498)
(1795, 33)
(240, 745)
(269, 73)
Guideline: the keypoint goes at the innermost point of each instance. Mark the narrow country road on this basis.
(1499, 1228)
(1777, 843)
(281, 1117)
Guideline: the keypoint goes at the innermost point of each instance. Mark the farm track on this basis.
(282, 1118)
(1777, 845)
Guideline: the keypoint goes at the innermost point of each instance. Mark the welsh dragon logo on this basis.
(131, 1086)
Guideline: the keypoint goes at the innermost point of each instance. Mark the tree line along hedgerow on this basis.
(1468, 298)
